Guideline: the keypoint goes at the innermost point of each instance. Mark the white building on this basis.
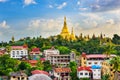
(18, 52)
(84, 72)
(96, 72)
(51, 51)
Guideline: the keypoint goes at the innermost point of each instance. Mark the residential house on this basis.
(18, 76)
(18, 52)
(96, 72)
(35, 53)
(62, 73)
(49, 52)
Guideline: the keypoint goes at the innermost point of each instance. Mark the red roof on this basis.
(96, 56)
(84, 68)
(83, 54)
(42, 59)
(32, 61)
(61, 70)
(18, 47)
(40, 72)
(35, 49)
(93, 55)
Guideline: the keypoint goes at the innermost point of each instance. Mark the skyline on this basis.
(23, 18)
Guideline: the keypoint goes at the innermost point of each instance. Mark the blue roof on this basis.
(96, 67)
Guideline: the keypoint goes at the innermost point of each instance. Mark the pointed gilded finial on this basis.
(64, 18)
(72, 31)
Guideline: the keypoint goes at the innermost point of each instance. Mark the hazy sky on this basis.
(22, 18)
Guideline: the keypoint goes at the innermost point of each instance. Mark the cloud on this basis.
(78, 3)
(105, 5)
(3, 0)
(107, 29)
(4, 25)
(50, 6)
(83, 9)
(62, 5)
(28, 2)
(110, 21)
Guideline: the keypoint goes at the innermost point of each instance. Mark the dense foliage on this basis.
(94, 45)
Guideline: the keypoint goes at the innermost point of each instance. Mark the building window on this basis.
(86, 73)
(14, 77)
(22, 78)
(22, 52)
(95, 62)
(81, 73)
(89, 63)
(84, 62)
(17, 52)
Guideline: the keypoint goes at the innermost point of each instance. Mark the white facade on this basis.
(51, 52)
(18, 53)
(94, 62)
(96, 73)
(83, 74)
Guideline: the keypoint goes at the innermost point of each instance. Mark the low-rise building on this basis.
(18, 52)
(62, 73)
(96, 72)
(35, 53)
(51, 51)
(18, 76)
(84, 72)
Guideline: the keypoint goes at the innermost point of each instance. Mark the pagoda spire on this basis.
(72, 35)
(65, 32)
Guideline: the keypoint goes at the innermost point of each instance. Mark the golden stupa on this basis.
(65, 32)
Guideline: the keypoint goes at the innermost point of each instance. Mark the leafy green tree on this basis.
(73, 74)
(47, 66)
(24, 66)
(116, 39)
(76, 52)
(63, 50)
(39, 65)
(7, 65)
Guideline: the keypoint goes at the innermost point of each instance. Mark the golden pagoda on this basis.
(65, 32)
(72, 36)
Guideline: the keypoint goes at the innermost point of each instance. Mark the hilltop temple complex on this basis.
(65, 32)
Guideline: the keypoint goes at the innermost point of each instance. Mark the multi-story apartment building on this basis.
(92, 59)
(18, 52)
(57, 59)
